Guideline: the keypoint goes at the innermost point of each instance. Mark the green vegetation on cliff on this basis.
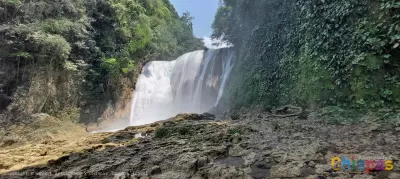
(313, 53)
(62, 55)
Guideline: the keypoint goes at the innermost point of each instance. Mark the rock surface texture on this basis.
(194, 146)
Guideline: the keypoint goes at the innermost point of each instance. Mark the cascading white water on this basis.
(193, 83)
(153, 94)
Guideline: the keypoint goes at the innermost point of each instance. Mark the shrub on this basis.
(161, 132)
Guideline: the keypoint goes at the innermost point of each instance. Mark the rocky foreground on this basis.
(195, 146)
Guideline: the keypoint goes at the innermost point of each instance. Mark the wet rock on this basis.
(306, 171)
(209, 115)
(231, 161)
(304, 115)
(155, 170)
(260, 170)
(4, 101)
(235, 117)
(202, 161)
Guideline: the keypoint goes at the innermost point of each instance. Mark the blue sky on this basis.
(202, 10)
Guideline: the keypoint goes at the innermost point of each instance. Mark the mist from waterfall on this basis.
(193, 83)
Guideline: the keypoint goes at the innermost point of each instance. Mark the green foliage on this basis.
(133, 141)
(101, 42)
(336, 115)
(13, 2)
(164, 132)
(21, 54)
(184, 130)
(234, 131)
(161, 132)
(70, 66)
(53, 47)
(313, 53)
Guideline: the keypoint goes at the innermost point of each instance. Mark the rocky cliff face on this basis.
(81, 56)
(195, 146)
(30, 89)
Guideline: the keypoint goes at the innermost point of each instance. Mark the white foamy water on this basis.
(153, 96)
(193, 83)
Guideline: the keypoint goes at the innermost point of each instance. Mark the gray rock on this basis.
(237, 151)
(236, 138)
(155, 170)
(311, 164)
(250, 158)
(320, 169)
(292, 169)
(394, 176)
(121, 175)
(209, 115)
(202, 161)
(365, 176)
(187, 162)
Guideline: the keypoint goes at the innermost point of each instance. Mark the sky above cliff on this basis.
(203, 12)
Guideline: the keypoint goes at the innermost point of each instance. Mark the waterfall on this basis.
(193, 83)
(153, 95)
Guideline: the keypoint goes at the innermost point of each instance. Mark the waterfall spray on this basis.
(193, 83)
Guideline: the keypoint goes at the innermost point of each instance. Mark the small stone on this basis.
(209, 115)
(250, 158)
(236, 138)
(8, 142)
(181, 142)
(397, 129)
(155, 170)
(121, 175)
(236, 151)
(312, 177)
(311, 164)
(202, 161)
(305, 171)
(43, 153)
(235, 117)
(320, 169)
